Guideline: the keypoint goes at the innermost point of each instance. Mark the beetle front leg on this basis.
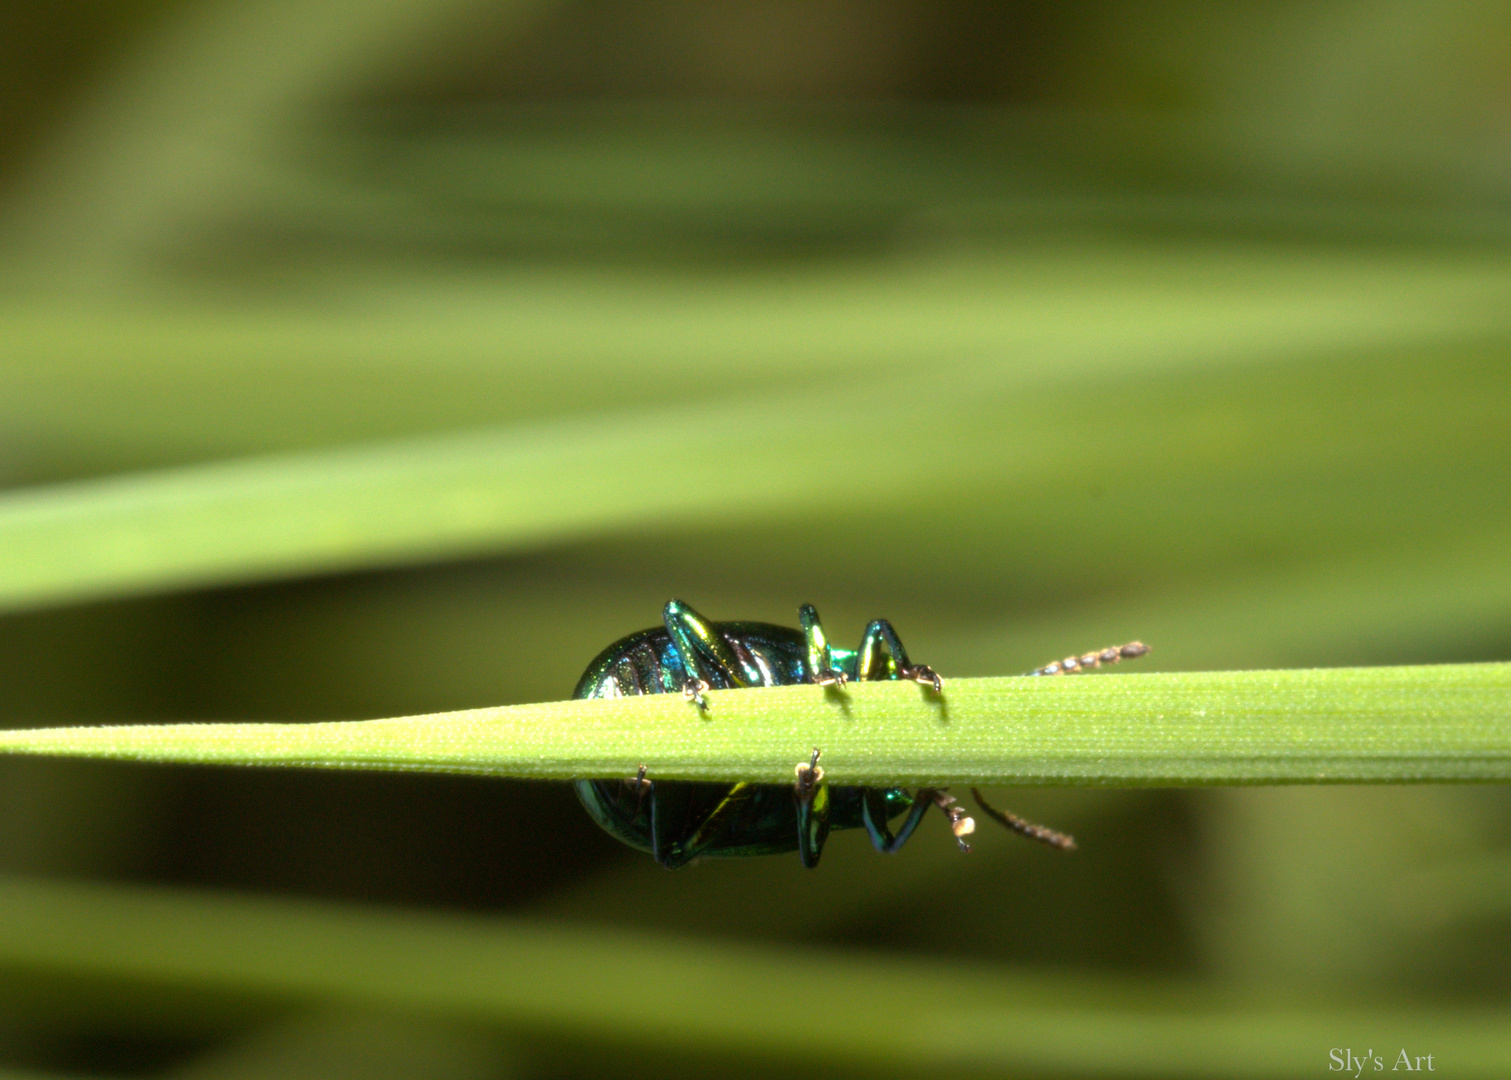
(882, 656)
(874, 816)
(812, 796)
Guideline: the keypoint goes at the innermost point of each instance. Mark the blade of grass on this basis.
(719, 1000)
(180, 381)
(518, 487)
(1449, 722)
(393, 503)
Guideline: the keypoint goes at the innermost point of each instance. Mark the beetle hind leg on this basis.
(693, 691)
(663, 828)
(707, 831)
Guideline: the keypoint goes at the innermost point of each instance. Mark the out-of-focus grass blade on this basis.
(722, 1002)
(373, 1044)
(1446, 722)
(392, 503)
(1418, 602)
(182, 123)
(723, 462)
(522, 631)
(384, 356)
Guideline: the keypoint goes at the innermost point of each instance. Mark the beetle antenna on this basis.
(961, 825)
(1041, 833)
(1072, 664)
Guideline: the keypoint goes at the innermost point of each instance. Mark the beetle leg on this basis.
(641, 786)
(882, 656)
(873, 812)
(812, 796)
(961, 825)
(692, 690)
(705, 654)
(671, 817)
(661, 838)
(708, 829)
(821, 667)
(1041, 833)
(1072, 664)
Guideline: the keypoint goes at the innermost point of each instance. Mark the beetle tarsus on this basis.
(1112, 655)
(924, 675)
(809, 777)
(1041, 833)
(832, 677)
(961, 824)
(693, 691)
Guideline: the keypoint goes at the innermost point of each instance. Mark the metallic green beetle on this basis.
(678, 821)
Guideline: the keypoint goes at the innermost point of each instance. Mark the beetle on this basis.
(680, 820)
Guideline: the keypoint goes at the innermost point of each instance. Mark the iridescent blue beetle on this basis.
(678, 821)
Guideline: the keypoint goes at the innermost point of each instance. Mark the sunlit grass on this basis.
(1326, 726)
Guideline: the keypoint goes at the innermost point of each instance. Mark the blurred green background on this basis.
(1032, 327)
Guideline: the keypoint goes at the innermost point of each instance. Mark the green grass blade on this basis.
(414, 500)
(175, 381)
(514, 488)
(1437, 723)
(719, 1001)
(1032, 380)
